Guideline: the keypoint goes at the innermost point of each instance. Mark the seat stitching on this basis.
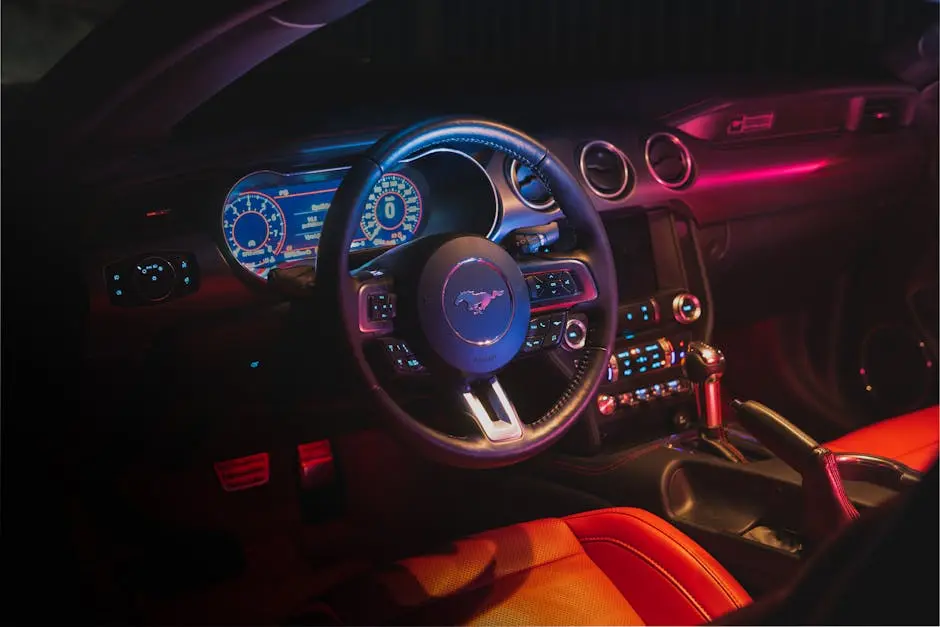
(705, 566)
(656, 565)
(717, 579)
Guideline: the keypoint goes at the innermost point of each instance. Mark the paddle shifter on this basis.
(704, 366)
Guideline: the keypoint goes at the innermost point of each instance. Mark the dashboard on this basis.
(703, 207)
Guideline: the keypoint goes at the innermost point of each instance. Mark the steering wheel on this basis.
(462, 302)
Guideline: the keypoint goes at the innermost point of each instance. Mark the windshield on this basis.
(411, 53)
(36, 34)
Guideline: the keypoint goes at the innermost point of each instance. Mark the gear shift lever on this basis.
(704, 366)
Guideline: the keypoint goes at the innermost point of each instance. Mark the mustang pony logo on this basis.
(477, 302)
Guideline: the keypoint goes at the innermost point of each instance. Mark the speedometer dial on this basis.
(253, 225)
(392, 213)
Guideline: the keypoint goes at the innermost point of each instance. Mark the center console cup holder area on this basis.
(763, 502)
(879, 471)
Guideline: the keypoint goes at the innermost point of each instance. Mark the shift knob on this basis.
(704, 366)
(703, 363)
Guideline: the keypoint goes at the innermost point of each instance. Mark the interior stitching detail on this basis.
(656, 565)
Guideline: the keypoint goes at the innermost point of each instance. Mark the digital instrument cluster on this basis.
(271, 219)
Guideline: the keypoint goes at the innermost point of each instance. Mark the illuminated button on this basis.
(532, 344)
(686, 308)
(536, 287)
(575, 334)
(568, 284)
(627, 399)
(642, 394)
(381, 306)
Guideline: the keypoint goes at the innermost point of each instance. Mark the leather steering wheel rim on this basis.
(336, 284)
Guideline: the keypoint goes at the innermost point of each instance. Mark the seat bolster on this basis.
(910, 439)
(664, 575)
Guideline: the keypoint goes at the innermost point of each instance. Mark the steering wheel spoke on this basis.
(494, 413)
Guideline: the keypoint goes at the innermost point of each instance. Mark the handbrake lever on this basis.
(827, 508)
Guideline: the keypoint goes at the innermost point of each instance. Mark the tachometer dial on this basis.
(253, 225)
(392, 213)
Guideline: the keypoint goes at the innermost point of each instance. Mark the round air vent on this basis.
(528, 186)
(605, 169)
(668, 159)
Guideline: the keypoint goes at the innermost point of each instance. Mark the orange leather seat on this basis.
(616, 566)
(910, 439)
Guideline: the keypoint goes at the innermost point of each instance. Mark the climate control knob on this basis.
(686, 308)
(606, 404)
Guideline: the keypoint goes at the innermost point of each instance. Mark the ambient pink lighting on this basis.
(760, 174)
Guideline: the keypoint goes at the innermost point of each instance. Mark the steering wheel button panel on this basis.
(381, 306)
(544, 332)
(401, 357)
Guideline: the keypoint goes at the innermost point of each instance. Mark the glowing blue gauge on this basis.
(253, 226)
(392, 213)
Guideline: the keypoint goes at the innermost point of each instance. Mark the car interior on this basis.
(497, 312)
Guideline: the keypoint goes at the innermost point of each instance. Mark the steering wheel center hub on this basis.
(473, 304)
(478, 302)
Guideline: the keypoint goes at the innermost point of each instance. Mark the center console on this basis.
(664, 305)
